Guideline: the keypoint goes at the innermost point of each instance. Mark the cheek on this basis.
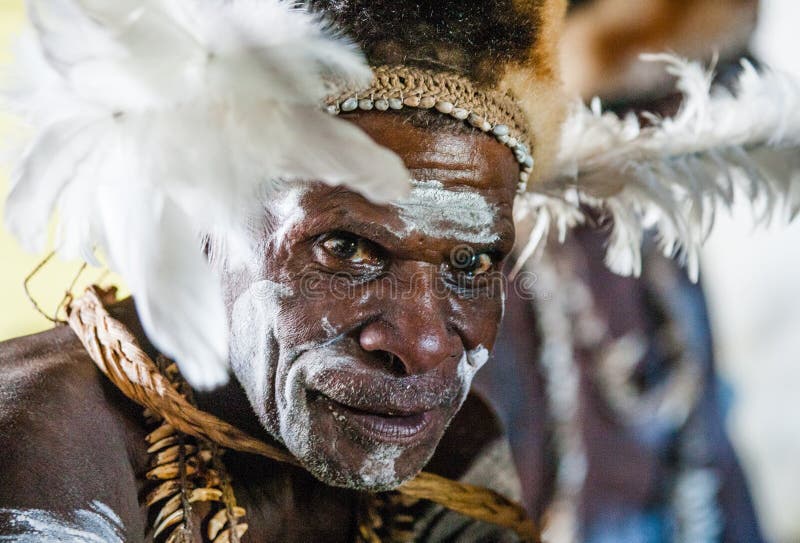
(472, 361)
(323, 308)
(253, 352)
(478, 319)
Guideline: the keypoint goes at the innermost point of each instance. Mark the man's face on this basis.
(357, 335)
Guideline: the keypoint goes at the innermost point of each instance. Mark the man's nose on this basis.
(415, 330)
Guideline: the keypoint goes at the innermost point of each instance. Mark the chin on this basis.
(351, 448)
(376, 472)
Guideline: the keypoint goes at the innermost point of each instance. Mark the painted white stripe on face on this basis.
(98, 524)
(468, 366)
(379, 467)
(477, 357)
(253, 323)
(288, 211)
(438, 212)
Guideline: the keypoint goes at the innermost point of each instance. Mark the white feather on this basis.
(675, 174)
(156, 121)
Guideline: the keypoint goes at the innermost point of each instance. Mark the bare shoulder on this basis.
(48, 382)
(47, 379)
(31, 362)
(65, 432)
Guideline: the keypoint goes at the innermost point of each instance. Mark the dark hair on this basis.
(466, 37)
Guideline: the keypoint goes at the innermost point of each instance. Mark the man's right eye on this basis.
(341, 247)
(353, 250)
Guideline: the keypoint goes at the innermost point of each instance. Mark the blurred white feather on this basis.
(673, 175)
(156, 121)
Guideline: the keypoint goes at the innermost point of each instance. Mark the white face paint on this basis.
(468, 366)
(252, 341)
(378, 469)
(255, 360)
(294, 413)
(438, 212)
(232, 254)
(254, 312)
(327, 326)
(98, 524)
(288, 211)
(477, 357)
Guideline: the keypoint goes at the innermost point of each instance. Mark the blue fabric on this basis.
(629, 527)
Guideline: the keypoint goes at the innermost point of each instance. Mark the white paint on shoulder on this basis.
(98, 524)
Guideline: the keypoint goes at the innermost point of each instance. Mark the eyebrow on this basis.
(330, 218)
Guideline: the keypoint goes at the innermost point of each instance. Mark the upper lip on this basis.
(385, 395)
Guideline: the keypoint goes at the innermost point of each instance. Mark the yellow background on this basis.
(17, 316)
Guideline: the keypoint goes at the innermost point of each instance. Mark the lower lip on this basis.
(394, 429)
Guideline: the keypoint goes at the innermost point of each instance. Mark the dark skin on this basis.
(69, 437)
(371, 367)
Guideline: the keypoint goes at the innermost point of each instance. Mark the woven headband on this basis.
(495, 113)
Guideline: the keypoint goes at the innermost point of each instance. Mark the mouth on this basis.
(385, 426)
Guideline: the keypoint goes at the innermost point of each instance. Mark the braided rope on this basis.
(117, 354)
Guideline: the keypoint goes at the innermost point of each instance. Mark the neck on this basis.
(230, 404)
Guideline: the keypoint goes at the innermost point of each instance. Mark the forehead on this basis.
(463, 188)
(457, 158)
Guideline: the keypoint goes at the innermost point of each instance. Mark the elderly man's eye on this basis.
(478, 265)
(469, 265)
(353, 249)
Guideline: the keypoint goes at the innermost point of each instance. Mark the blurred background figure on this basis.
(749, 277)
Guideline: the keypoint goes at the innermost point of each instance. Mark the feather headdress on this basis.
(674, 174)
(155, 121)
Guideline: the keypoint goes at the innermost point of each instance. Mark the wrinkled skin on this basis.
(359, 381)
(70, 438)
